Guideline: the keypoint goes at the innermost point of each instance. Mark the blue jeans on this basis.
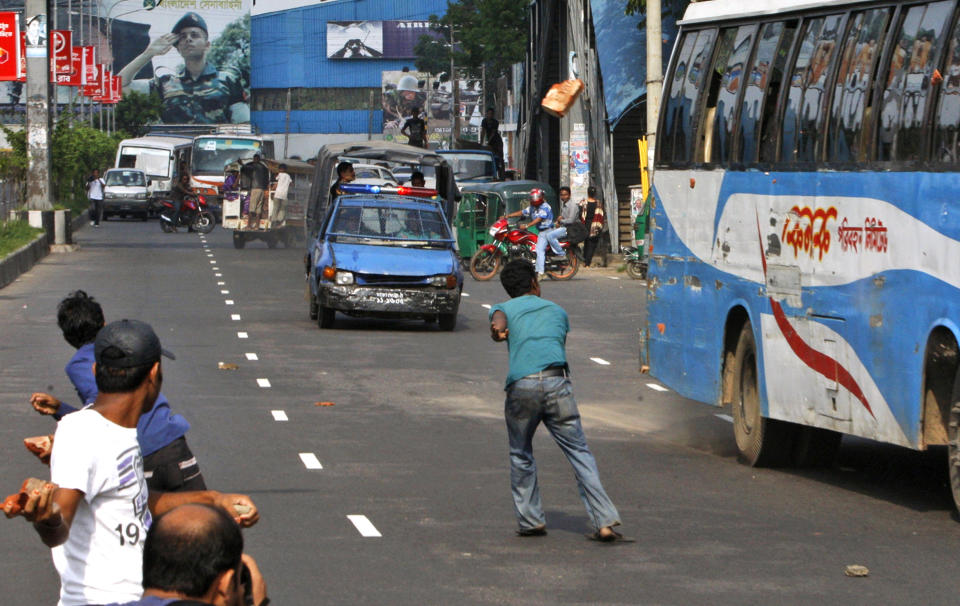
(544, 238)
(550, 399)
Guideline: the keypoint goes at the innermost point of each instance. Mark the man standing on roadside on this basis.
(97, 504)
(95, 187)
(259, 176)
(538, 389)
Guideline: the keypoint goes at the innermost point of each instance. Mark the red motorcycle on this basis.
(512, 242)
(193, 214)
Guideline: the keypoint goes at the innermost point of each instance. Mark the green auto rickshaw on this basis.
(483, 203)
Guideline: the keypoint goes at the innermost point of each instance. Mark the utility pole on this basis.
(654, 76)
(38, 110)
(455, 90)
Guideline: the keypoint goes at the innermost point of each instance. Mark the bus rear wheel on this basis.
(953, 442)
(761, 442)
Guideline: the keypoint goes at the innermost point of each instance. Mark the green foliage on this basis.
(76, 149)
(14, 234)
(231, 50)
(486, 32)
(137, 111)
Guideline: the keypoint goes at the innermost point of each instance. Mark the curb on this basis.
(21, 260)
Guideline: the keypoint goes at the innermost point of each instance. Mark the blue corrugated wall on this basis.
(289, 50)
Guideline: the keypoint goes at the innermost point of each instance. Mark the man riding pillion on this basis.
(542, 216)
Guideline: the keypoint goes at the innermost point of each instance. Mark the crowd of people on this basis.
(126, 511)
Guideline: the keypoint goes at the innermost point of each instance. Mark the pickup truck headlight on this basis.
(445, 281)
(343, 278)
(142, 196)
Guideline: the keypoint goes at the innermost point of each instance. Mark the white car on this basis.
(126, 193)
(373, 174)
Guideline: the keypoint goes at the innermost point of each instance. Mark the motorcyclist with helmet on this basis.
(542, 216)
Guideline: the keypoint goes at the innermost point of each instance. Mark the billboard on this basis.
(375, 39)
(202, 72)
(406, 94)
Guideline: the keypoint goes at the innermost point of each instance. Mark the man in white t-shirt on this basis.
(97, 505)
(95, 185)
(280, 195)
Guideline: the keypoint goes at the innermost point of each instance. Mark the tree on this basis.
(491, 33)
(137, 111)
(668, 8)
(231, 50)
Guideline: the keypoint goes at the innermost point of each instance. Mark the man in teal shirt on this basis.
(538, 389)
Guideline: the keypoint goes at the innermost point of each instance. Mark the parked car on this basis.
(373, 174)
(384, 256)
(126, 193)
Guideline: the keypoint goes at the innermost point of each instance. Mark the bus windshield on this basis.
(211, 155)
(154, 162)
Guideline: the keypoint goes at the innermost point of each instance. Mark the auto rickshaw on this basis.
(290, 228)
(484, 203)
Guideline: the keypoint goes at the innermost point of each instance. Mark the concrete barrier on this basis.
(21, 260)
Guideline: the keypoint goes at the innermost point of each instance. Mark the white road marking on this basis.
(224, 292)
(221, 283)
(212, 262)
(613, 277)
(264, 383)
(209, 254)
(216, 269)
(656, 387)
(485, 306)
(464, 294)
(279, 415)
(252, 356)
(726, 418)
(310, 460)
(600, 361)
(235, 317)
(218, 275)
(364, 526)
(228, 301)
(241, 335)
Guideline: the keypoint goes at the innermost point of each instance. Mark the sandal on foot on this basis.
(613, 537)
(536, 531)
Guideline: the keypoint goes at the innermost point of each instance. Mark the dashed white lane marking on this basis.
(464, 294)
(241, 335)
(600, 361)
(279, 415)
(209, 254)
(310, 460)
(726, 418)
(212, 262)
(218, 275)
(235, 317)
(613, 277)
(264, 383)
(224, 292)
(216, 269)
(485, 306)
(228, 301)
(364, 526)
(252, 356)
(221, 283)
(656, 387)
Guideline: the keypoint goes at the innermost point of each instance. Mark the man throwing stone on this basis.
(538, 389)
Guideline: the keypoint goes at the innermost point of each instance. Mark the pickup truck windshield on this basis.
(125, 177)
(470, 166)
(390, 224)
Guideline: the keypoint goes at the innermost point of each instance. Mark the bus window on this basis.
(803, 116)
(902, 133)
(754, 87)
(733, 62)
(946, 137)
(677, 141)
(851, 97)
(770, 130)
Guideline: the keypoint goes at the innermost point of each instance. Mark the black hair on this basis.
(563, 188)
(342, 168)
(121, 380)
(591, 191)
(283, 167)
(517, 277)
(80, 318)
(188, 560)
(416, 175)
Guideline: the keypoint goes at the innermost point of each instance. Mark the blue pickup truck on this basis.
(386, 255)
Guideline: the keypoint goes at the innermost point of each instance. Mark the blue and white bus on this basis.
(805, 263)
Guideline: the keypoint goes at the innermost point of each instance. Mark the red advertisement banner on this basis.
(9, 47)
(90, 64)
(60, 45)
(75, 77)
(92, 87)
(22, 64)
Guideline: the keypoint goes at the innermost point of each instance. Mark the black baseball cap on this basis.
(191, 19)
(128, 343)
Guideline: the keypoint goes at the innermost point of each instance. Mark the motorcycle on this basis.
(193, 215)
(511, 243)
(636, 265)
